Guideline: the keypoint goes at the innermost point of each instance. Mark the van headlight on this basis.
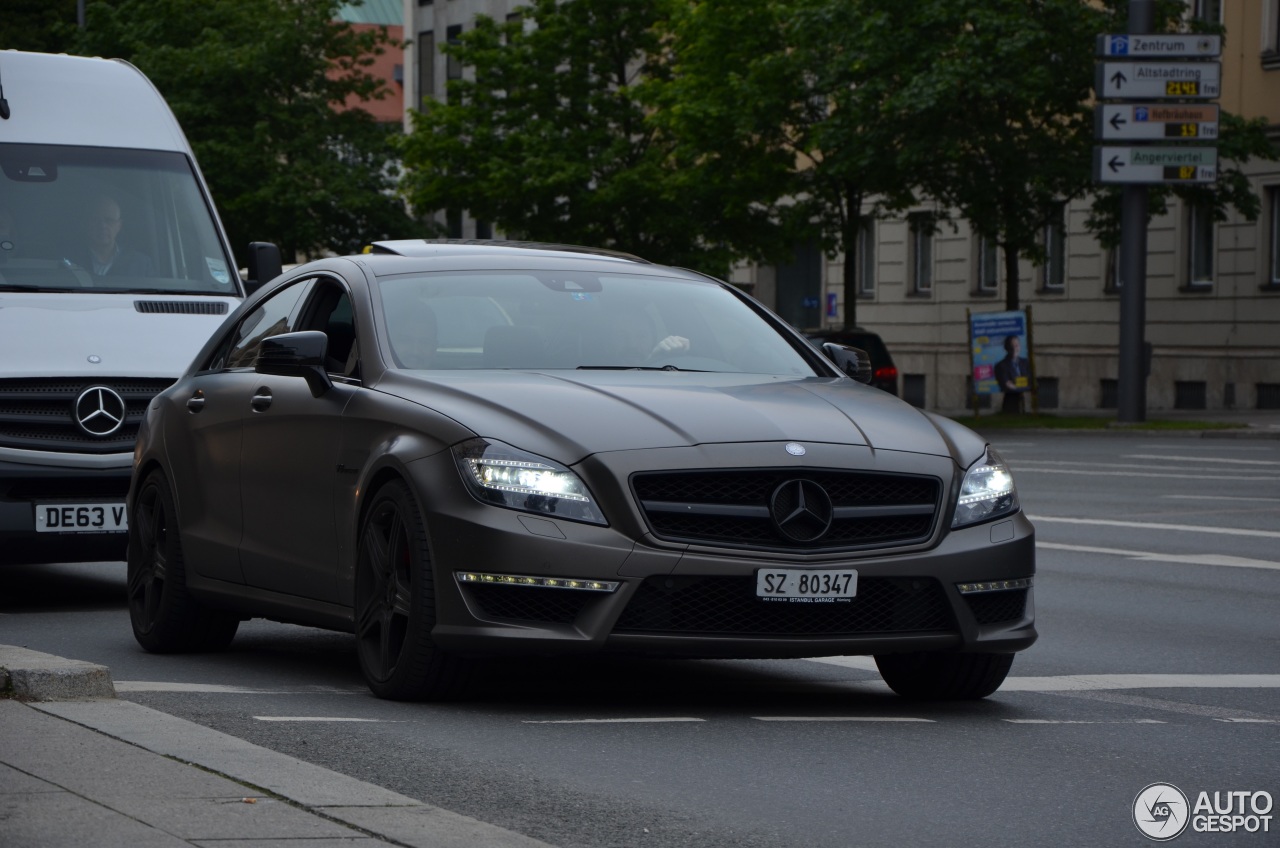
(501, 475)
(986, 493)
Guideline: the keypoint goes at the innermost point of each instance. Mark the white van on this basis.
(114, 270)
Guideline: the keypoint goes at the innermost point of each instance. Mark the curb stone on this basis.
(34, 676)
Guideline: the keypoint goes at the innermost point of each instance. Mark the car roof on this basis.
(428, 248)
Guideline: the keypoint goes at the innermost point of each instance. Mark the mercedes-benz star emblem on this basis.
(795, 449)
(802, 510)
(99, 411)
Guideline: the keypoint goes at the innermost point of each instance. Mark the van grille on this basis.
(39, 413)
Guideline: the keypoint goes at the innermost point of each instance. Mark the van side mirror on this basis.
(853, 361)
(263, 264)
(296, 355)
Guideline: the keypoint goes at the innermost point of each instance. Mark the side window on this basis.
(329, 311)
(272, 317)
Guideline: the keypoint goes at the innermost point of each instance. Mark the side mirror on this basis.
(296, 355)
(853, 361)
(263, 265)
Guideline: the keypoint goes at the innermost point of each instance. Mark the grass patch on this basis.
(1001, 421)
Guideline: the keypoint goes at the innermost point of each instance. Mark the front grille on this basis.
(37, 413)
(732, 508)
(728, 606)
(181, 307)
(529, 603)
(998, 607)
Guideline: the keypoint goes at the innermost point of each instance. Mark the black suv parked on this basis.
(884, 372)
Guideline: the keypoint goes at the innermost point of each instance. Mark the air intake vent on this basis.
(181, 307)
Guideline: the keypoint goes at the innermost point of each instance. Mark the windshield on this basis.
(544, 320)
(101, 219)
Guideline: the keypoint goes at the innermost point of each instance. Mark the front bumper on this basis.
(699, 601)
(23, 485)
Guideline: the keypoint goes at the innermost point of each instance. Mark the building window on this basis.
(453, 67)
(1200, 241)
(1055, 249)
(987, 272)
(866, 246)
(920, 235)
(426, 68)
(1273, 237)
(453, 223)
(1209, 11)
(1111, 284)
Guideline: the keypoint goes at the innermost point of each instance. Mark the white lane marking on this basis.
(614, 720)
(1200, 459)
(1068, 463)
(1219, 498)
(1020, 469)
(1151, 525)
(1097, 682)
(863, 663)
(1072, 721)
(221, 689)
(845, 718)
(313, 718)
(1222, 560)
(1249, 720)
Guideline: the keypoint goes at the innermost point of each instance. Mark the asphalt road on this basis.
(1157, 599)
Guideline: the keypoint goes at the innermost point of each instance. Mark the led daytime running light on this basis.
(486, 578)
(993, 586)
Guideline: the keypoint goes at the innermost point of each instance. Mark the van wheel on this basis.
(395, 606)
(944, 677)
(165, 618)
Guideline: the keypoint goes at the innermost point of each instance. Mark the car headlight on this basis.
(501, 475)
(987, 492)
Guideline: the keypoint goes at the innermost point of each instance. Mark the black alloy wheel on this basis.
(944, 677)
(165, 618)
(395, 604)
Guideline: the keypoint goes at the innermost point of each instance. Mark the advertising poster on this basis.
(998, 342)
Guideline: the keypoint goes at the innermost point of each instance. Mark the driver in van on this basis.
(102, 254)
(6, 233)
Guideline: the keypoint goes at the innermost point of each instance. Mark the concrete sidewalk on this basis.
(79, 767)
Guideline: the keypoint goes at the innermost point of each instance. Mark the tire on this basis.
(165, 618)
(944, 677)
(395, 607)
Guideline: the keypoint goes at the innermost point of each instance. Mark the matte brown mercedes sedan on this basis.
(455, 450)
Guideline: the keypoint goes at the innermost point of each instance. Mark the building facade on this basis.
(1213, 288)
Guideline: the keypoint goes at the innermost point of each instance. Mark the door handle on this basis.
(261, 400)
(195, 403)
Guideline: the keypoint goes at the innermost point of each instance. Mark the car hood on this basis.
(55, 335)
(569, 415)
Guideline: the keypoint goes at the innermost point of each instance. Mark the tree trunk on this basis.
(849, 237)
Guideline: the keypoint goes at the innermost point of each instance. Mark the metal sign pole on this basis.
(1133, 270)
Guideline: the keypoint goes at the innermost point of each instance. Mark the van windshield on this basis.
(109, 220)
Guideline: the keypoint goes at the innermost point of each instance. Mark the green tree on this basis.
(38, 26)
(1003, 99)
(793, 102)
(254, 84)
(547, 138)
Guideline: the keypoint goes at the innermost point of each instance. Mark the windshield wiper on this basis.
(41, 290)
